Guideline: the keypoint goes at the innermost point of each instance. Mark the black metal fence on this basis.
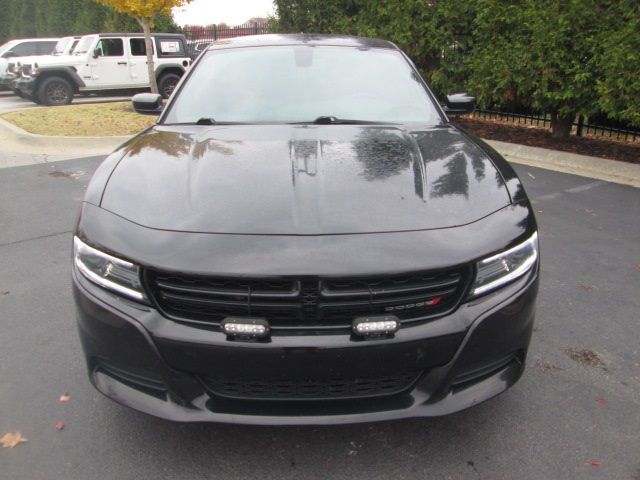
(212, 33)
(580, 127)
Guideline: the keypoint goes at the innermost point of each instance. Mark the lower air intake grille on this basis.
(303, 389)
(307, 304)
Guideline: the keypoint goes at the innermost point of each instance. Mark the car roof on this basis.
(301, 39)
(153, 34)
(19, 40)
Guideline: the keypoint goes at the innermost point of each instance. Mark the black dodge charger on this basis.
(304, 238)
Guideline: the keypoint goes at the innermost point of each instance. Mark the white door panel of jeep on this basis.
(138, 70)
(110, 68)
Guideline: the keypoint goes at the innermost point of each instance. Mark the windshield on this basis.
(84, 45)
(61, 46)
(298, 84)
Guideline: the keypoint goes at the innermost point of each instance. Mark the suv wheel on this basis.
(167, 83)
(55, 91)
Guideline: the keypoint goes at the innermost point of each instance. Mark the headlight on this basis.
(500, 269)
(109, 272)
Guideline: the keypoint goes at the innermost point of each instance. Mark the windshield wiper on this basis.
(206, 121)
(331, 120)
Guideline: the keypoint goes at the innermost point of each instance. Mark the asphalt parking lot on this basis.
(574, 415)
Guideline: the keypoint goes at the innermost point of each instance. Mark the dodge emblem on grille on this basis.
(426, 303)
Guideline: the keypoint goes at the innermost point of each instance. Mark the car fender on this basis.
(64, 71)
(160, 69)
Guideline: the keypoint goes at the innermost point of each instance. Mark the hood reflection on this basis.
(312, 180)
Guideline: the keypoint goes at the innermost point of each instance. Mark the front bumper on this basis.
(25, 85)
(143, 360)
(5, 82)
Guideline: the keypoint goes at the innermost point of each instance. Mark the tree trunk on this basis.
(145, 23)
(561, 125)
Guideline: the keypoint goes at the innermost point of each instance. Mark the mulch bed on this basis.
(541, 137)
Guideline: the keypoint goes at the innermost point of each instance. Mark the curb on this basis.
(565, 162)
(15, 139)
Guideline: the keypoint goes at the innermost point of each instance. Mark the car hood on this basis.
(52, 60)
(303, 180)
(30, 60)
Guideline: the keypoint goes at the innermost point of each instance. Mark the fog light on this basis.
(245, 327)
(378, 325)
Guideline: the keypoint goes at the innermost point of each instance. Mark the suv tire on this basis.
(167, 83)
(55, 91)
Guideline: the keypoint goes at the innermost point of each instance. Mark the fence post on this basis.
(215, 32)
(580, 125)
(255, 28)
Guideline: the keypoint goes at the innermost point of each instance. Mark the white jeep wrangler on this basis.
(105, 63)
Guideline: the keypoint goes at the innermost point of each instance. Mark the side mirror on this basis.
(97, 53)
(459, 103)
(147, 103)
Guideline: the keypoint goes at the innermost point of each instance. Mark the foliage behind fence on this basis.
(580, 126)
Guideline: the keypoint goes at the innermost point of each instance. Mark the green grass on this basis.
(89, 120)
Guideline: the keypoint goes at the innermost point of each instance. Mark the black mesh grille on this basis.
(311, 389)
(304, 304)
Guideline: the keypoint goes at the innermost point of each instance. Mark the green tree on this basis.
(312, 16)
(49, 18)
(540, 53)
(21, 16)
(5, 20)
(619, 58)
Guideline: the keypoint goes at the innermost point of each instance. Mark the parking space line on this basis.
(585, 187)
(49, 235)
(578, 189)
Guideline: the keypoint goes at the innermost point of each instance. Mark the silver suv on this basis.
(63, 47)
(23, 48)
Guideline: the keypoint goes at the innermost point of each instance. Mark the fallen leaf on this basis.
(59, 426)
(531, 175)
(602, 401)
(588, 210)
(637, 266)
(596, 463)
(11, 439)
(65, 397)
(585, 357)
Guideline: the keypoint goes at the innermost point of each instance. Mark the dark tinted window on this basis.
(45, 48)
(25, 49)
(111, 47)
(138, 47)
